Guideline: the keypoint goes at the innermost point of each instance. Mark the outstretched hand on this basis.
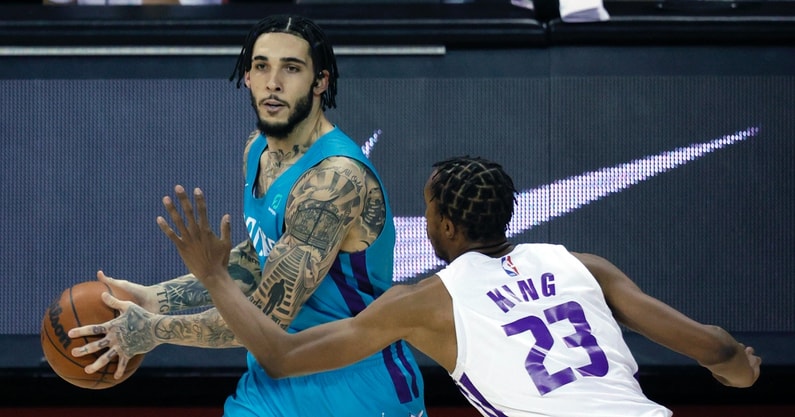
(205, 254)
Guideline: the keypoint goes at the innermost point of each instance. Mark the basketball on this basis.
(78, 306)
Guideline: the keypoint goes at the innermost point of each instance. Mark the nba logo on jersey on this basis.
(509, 267)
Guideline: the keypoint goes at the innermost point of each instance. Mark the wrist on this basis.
(218, 280)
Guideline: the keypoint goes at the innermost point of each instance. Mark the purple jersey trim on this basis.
(356, 304)
(476, 398)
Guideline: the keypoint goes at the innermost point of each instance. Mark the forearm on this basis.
(250, 327)
(206, 329)
(186, 292)
(180, 293)
(282, 354)
(729, 361)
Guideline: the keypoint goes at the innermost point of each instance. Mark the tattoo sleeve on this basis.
(320, 210)
(206, 329)
(187, 292)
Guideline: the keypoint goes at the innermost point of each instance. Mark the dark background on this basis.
(104, 109)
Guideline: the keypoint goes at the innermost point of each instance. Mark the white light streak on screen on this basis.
(414, 255)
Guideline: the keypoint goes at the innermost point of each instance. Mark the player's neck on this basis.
(304, 135)
(494, 249)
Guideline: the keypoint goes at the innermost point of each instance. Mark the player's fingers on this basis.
(187, 207)
(115, 303)
(111, 355)
(174, 214)
(753, 358)
(167, 230)
(90, 330)
(226, 228)
(201, 209)
(90, 348)
(98, 364)
(120, 367)
(113, 282)
(104, 278)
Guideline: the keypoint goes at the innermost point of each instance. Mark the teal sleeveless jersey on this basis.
(353, 282)
(355, 279)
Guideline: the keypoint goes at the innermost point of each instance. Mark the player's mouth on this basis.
(272, 105)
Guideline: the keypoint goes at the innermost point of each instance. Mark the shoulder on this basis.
(608, 275)
(594, 263)
(343, 161)
(341, 181)
(343, 164)
(347, 168)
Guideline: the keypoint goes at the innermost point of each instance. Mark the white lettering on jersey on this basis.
(262, 243)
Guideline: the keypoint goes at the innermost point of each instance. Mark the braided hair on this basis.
(476, 194)
(319, 47)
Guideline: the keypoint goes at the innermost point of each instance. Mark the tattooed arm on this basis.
(325, 214)
(137, 331)
(186, 291)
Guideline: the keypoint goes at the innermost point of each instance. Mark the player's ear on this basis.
(247, 79)
(321, 82)
(448, 228)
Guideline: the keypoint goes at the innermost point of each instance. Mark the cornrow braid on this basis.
(319, 47)
(474, 193)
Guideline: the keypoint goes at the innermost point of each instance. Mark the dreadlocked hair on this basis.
(319, 48)
(476, 194)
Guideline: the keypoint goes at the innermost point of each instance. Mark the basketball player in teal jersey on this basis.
(320, 249)
(525, 330)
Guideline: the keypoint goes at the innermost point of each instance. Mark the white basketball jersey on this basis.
(536, 338)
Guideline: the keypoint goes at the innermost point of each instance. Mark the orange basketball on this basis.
(78, 306)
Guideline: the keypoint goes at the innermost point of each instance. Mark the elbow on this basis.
(278, 363)
(273, 366)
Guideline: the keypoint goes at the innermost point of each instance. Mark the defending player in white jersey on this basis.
(525, 330)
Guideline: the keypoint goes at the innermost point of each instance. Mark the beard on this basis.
(281, 130)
